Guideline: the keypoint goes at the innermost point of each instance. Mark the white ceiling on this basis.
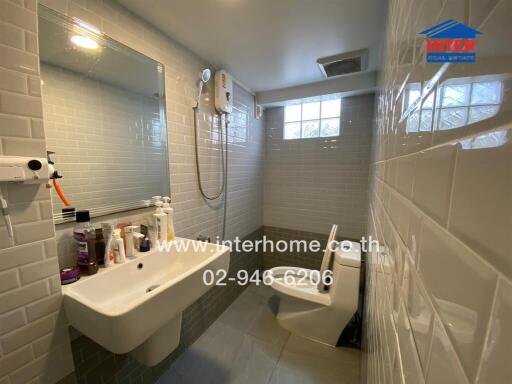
(269, 44)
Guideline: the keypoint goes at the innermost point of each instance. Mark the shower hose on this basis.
(224, 160)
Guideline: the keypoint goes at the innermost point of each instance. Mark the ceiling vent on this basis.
(344, 63)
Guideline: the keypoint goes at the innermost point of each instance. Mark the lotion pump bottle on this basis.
(160, 220)
(170, 213)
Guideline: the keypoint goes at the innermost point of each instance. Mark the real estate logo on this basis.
(451, 42)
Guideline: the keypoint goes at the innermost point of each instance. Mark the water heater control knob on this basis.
(34, 165)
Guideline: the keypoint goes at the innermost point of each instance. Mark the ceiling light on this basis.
(84, 42)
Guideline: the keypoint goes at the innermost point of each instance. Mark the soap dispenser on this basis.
(170, 215)
(160, 221)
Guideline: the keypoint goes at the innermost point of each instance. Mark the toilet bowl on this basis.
(320, 316)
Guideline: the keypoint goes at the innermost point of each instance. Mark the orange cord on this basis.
(58, 189)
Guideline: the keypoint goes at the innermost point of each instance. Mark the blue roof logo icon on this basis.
(451, 42)
(450, 29)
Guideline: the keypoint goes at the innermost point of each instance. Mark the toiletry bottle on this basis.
(170, 214)
(132, 238)
(82, 227)
(96, 246)
(91, 267)
(145, 242)
(119, 253)
(122, 227)
(107, 229)
(160, 222)
(144, 245)
(150, 229)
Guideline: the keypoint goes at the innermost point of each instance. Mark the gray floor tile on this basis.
(246, 345)
(242, 312)
(307, 362)
(224, 355)
(262, 291)
(204, 361)
(265, 326)
(255, 362)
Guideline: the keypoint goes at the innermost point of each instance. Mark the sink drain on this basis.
(152, 288)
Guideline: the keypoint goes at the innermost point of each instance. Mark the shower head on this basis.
(205, 76)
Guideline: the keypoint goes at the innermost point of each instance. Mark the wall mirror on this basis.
(104, 116)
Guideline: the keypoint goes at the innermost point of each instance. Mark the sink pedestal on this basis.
(160, 344)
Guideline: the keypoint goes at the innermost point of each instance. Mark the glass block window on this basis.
(463, 104)
(456, 105)
(313, 119)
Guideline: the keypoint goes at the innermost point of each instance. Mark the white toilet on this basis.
(320, 316)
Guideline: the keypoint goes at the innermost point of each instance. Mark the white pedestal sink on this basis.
(136, 307)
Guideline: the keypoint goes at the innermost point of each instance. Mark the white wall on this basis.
(311, 184)
(438, 299)
(34, 342)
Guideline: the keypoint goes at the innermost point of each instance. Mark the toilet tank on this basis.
(344, 291)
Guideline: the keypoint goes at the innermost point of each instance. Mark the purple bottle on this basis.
(82, 228)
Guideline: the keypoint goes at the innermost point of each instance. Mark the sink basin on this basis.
(136, 306)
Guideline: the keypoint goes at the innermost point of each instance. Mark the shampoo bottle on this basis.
(160, 222)
(107, 230)
(170, 213)
(119, 253)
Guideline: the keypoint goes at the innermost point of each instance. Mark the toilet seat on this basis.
(298, 284)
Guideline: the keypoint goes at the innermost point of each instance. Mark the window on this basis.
(314, 119)
(457, 105)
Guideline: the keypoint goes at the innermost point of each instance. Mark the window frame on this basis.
(318, 120)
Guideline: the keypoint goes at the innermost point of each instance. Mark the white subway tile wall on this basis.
(34, 343)
(107, 141)
(24, 308)
(311, 184)
(438, 294)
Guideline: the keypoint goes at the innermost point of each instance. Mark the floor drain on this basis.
(151, 288)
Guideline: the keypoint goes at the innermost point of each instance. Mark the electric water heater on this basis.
(223, 92)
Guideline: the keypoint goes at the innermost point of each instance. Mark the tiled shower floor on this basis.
(246, 345)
